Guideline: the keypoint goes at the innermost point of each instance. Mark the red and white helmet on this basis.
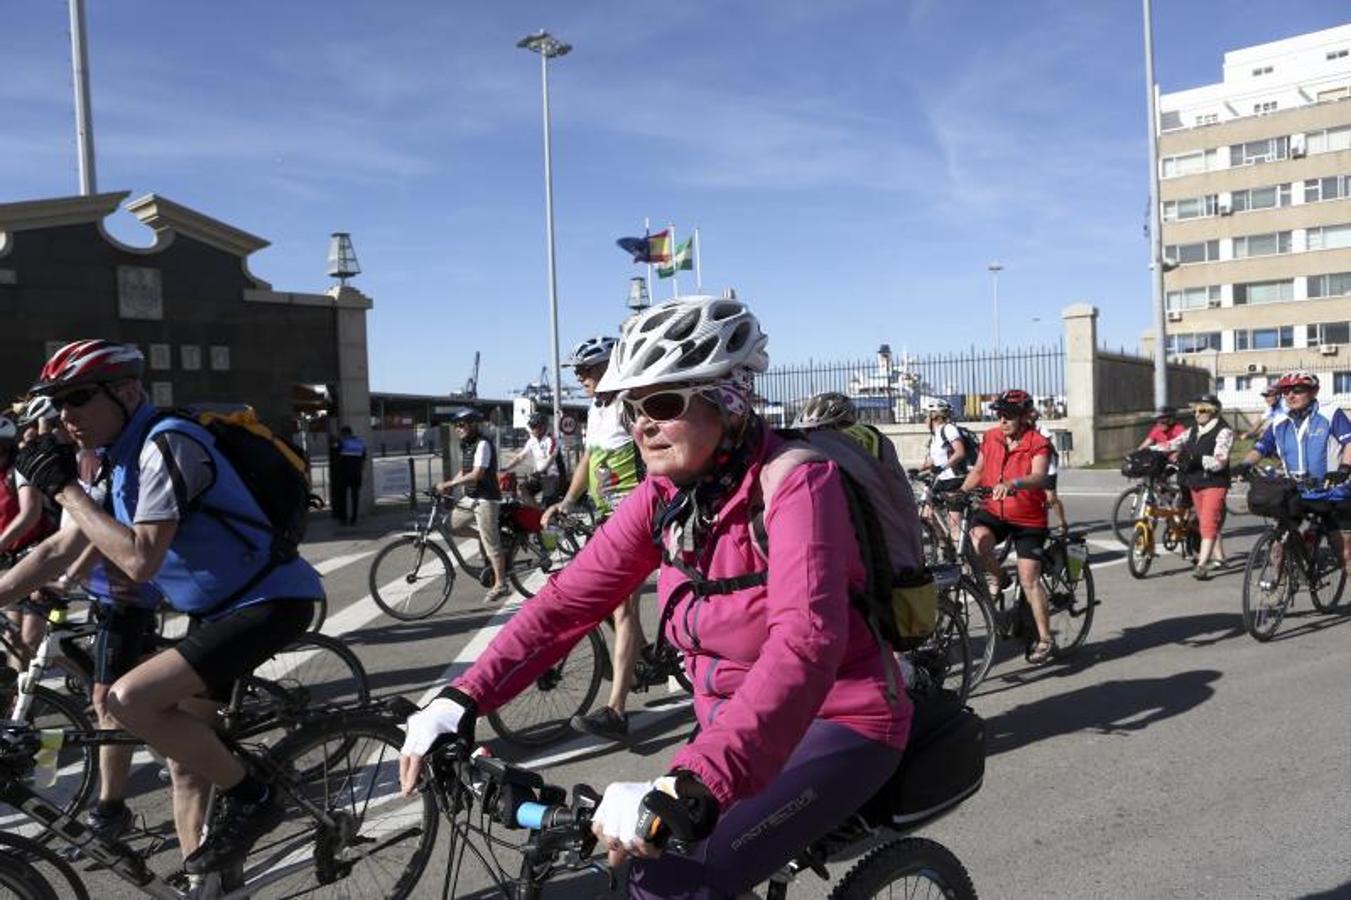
(89, 362)
(1298, 378)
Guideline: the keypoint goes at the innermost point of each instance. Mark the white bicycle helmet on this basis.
(828, 409)
(937, 405)
(687, 339)
(38, 409)
(592, 351)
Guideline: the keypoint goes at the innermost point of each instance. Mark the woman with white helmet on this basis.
(791, 692)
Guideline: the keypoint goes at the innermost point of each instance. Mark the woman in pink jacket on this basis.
(797, 728)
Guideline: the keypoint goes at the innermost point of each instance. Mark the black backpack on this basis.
(272, 468)
(972, 444)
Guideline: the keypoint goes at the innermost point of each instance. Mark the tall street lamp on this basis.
(549, 47)
(1155, 225)
(995, 268)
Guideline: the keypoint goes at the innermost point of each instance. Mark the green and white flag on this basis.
(682, 259)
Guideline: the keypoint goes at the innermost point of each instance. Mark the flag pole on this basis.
(675, 269)
(698, 264)
(647, 233)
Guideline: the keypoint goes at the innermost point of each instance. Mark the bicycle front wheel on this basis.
(1070, 604)
(944, 659)
(540, 714)
(76, 774)
(1140, 556)
(1329, 576)
(969, 601)
(910, 867)
(1268, 587)
(1125, 511)
(21, 859)
(375, 842)
(411, 578)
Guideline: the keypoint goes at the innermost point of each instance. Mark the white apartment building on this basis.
(1256, 207)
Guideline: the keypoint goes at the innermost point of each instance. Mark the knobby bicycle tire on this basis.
(912, 862)
(29, 853)
(77, 765)
(411, 578)
(1140, 549)
(1264, 608)
(1329, 577)
(360, 789)
(540, 714)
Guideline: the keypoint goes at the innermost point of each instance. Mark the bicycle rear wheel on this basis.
(910, 867)
(1070, 604)
(1268, 587)
(46, 863)
(1140, 555)
(411, 578)
(1125, 511)
(540, 715)
(531, 558)
(21, 881)
(380, 841)
(1329, 576)
(313, 671)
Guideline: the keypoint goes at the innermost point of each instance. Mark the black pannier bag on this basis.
(1144, 464)
(1274, 498)
(943, 764)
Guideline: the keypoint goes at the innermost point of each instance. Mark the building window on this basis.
(1268, 197)
(1333, 188)
(220, 359)
(1329, 237)
(1192, 343)
(1333, 284)
(1263, 108)
(1208, 119)
(1192, 208)
(1264, 292)
(1329, 333)
(1184, 254)
(1263, 151)
(162, 393)
(1242, 382)
(1189, 163)
(1341, 382)
(161, 357)
(1330, 140)
(190, 355)
(1338, 54)
(1262, 244)
(1261, 70)
(1194, 298)
(1265, 338)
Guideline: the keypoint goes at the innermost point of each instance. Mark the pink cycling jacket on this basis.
(765, 661)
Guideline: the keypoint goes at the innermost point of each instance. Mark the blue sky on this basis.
(853, 164)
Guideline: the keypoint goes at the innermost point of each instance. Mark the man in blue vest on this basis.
(179, 517)
(349, 467)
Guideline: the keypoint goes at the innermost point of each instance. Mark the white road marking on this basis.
(338, 562)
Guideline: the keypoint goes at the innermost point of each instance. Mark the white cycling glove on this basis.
(441, 716)
(620, 808)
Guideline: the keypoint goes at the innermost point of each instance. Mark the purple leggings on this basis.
(830, 775)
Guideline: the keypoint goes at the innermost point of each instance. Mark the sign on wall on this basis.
(140, 293)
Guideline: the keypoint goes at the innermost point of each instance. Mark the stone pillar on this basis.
(354, 382)
(1081, 348)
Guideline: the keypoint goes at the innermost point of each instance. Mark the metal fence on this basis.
(893, 389)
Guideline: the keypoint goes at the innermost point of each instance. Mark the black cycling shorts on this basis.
(223, 650)
(1049, 483)
(124, 637)
(1028, 542)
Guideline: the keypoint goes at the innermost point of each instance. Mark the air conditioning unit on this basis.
(1298, 146)
(1226, 205)
(1213, 304)
(1256, 369)
(1327, 349)
(1174, 315)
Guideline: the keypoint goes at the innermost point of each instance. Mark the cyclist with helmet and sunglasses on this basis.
(1013, 464)
(797, 727)
(541, 448)
(478, 475)
(178, 516)
(609, 471)
(1311, 441)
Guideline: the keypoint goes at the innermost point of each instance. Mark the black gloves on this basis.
(1339, 475)
(48, 464)
(1240, 469)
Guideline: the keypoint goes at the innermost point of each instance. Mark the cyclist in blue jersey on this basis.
(1313, 442)
(177, 516)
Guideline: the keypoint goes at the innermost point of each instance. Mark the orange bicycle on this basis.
(1174, 521)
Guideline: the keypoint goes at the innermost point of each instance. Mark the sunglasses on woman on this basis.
(74, 399)
(662, 406)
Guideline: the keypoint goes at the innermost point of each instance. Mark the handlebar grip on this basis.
(533, 815)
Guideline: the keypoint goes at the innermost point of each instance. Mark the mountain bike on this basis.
(480, 796)
(412, 576)
(1295, 552)
(937, 544)
(313, 670)
(348, 830)
(1180, 529)
(1152, 473)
